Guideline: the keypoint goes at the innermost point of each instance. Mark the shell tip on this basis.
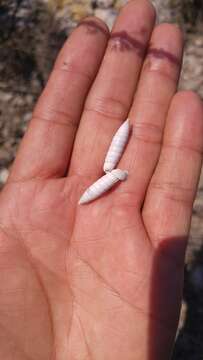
(127, 122)
(82, 200)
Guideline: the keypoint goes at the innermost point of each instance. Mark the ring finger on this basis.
(157, 85)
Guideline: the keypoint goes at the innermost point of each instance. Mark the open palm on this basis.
(101, 281)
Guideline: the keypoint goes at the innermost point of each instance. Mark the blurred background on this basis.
(31, 33)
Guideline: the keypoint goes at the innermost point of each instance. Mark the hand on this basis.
(101, 281)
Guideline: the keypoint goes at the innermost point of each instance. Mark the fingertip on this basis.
(189, 108)
(189, 101)
(146, 6)
(96, 22)
(169, 39)
(168, 29)
(145, 15)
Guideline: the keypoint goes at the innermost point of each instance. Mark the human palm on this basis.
(101, 281)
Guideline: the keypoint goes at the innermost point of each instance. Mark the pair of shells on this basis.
(113, 175)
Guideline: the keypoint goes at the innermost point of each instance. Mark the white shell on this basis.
(117, 146)
(102, 185)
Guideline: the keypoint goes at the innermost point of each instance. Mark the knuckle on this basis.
(185, 146)
(174, 191)
(147, 132)
(162, 63)
(187, 96)
(172, 29)
(71, 68)
(95, 25)
(55, 117)
(107, 106)
(123, 41)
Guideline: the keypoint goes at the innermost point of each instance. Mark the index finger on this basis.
(47, 145)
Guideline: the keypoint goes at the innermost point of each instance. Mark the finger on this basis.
(47, 145)
(168, 205)
(157, 85)
(112, 93)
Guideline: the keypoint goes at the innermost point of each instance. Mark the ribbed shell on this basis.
(117, 146)
(102, 185)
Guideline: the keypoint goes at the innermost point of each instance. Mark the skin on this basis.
(104, 280)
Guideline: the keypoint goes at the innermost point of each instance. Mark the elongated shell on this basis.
(102, 185)
(117, 146)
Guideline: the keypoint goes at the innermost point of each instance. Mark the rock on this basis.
(27, 117)
(29, 99)
(120, 3)
(4, 173)
(104, 4)
(79, 11)
(6, 96)
(163, 10)
(18, 100)
(192, 77)
(108, 16)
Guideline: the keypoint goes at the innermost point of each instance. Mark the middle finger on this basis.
(112, 93)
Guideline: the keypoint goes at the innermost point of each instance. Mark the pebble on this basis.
(198, 41)
(18, 101)
(108, 16)
(7, 96)
(4, 173)
(27, 117)
(29, 99)
(120, 3)
(104, 4)
(79, 11)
